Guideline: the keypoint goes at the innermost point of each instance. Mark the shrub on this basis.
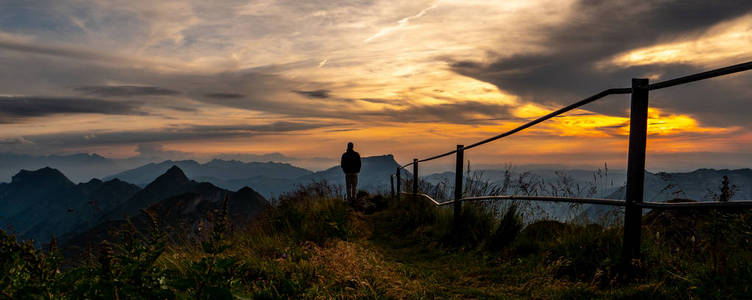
(406, 213)
(126, 269)
(587, 249)
(315, 221)
(26, 272)
(510, 225)
(538, 237)
(211, 276)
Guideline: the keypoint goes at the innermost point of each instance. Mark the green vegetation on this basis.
(312, 245)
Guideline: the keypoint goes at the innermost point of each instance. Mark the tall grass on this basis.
(310, 244)
(706, 254)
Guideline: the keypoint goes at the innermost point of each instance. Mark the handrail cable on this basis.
(653, 205)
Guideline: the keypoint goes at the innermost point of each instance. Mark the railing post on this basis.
(399, 182)
(415, 176)
(391, 183)
(458, 173)
(638, 126)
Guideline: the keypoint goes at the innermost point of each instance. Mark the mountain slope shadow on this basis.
(184, 209)
(39, 204)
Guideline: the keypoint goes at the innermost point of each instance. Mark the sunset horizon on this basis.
(248, 79)
(375, 149)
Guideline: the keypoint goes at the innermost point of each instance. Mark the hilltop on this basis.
(310, 244)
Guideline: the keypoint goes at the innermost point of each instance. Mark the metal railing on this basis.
(635, 163)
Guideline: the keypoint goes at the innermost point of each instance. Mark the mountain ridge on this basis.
(43, 203)
(227, 169)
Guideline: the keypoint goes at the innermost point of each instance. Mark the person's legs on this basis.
(354, 186)
(347, 187)
(351, 186)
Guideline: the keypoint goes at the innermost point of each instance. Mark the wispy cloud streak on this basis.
(400, 24)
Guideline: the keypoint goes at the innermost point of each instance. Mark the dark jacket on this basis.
(350, 162)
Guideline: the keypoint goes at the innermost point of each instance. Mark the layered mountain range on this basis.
(42, 203)
(268, 178)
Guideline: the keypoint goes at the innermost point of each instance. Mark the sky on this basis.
(299, 79)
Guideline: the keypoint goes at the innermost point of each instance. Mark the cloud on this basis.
(14, 141)
(465, 112)
(375, 100)
(157, 151)
(172, 134)
(275, 156)
(275, 127)
(30, 47)
(16, 108)
(257, 89)
(400, 24)
(88, 55)
(234, 62)
(567, 69)
(125, 91)
(320, 94)
(224, 95)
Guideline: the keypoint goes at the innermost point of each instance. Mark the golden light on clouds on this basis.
(583, 123)
(411, 78)
(729, 41)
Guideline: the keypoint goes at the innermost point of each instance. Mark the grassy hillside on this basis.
(312, 245)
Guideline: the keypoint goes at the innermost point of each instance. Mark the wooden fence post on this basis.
(391, 183)
(458, 178)
(399, 182)
(415, 177)
(638, 126)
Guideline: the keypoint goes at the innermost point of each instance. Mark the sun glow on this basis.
(583, 123)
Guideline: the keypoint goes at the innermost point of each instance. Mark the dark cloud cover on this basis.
(177, 133)
(125, 91)
(597, 31)
(51, 50)
(320, 94)
(14, 141)
(465, 112)
(378, 101)
(224, 95)
(16, 108)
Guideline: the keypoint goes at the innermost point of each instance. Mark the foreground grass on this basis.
(312, 245)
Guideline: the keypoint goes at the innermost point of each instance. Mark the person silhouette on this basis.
(350, 164)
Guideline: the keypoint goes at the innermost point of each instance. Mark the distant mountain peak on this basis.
(385, 157)
(246, 191)
(175, 171)
(173, 178)
(44, 174)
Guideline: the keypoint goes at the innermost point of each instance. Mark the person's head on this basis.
(350, 146)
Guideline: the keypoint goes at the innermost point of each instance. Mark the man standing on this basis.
(350, 164)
